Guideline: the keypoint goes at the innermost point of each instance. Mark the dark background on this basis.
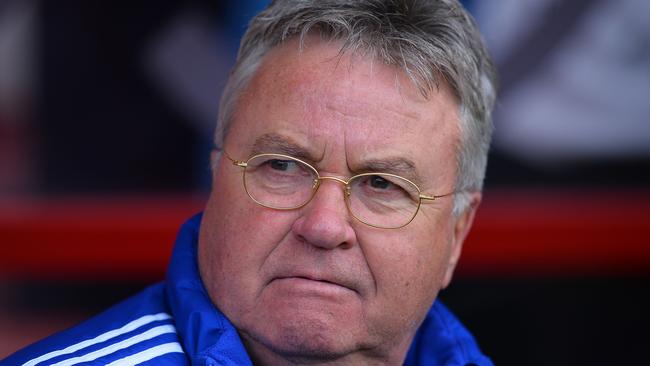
(102, 115)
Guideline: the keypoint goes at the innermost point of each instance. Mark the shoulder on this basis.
(132, 332)
(443, 340)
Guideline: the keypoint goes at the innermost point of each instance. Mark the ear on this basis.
(215, 155)
(462, 224)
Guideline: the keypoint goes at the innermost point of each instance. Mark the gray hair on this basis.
(429, 40)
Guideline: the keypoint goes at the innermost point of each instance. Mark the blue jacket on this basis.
(174, 323)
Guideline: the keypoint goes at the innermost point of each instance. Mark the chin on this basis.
(299, 344)
(308, 339)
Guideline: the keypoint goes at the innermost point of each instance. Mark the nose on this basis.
(325, 221)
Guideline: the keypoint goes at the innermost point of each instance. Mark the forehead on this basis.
(345, 103)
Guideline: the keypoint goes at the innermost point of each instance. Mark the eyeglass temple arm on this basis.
(428, 197)
(239, 163)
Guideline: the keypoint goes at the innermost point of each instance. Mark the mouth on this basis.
(315, 282)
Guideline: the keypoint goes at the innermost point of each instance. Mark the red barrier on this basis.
(99, 238)
(542, 232)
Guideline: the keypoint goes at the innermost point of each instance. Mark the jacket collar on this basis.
(206, 333)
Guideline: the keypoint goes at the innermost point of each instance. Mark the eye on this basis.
(281, 165)
(385, 187)
(379, 182)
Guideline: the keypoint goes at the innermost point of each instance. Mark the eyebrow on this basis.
(280, 144)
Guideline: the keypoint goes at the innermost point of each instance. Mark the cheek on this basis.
(415, 269)
(414, 257)
(240, 227)
(409, 272)
(233, 247)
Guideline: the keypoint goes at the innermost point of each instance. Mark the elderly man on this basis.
(351, 150)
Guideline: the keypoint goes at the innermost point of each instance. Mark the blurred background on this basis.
(106, 118)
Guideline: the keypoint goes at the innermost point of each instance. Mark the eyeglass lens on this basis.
(382, 200)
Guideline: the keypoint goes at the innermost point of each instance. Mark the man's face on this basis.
(314, 282)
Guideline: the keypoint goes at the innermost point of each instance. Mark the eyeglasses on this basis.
(380, 200)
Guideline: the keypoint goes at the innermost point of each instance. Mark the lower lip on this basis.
(302, 285)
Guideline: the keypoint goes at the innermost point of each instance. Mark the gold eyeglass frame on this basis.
(317, 181)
